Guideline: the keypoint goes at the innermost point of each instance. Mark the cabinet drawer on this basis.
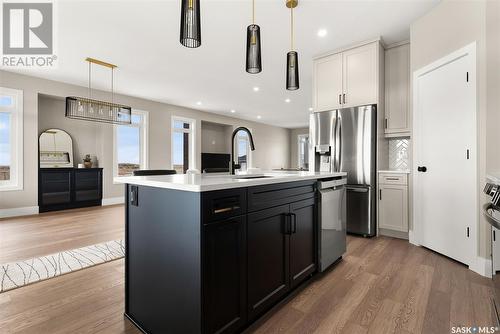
(262, 197)
(222, 204)
(393, 178)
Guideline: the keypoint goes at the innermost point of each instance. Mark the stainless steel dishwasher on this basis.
(332, 221)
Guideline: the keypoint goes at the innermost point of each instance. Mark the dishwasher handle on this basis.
(357, 190)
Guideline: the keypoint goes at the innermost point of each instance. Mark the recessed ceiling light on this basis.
(198, 103)
(322, 32)
(287, 100)
(256, 89)
(233, 111)
(311, 109)
(259, 117)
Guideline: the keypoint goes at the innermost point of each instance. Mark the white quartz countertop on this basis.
(204, 182)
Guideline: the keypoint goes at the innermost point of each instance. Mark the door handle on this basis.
(422, 169)
(358, 190)
(344, 98)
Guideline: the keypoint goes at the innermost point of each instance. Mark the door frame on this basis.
(415, 232)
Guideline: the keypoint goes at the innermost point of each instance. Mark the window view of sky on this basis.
(128, 144)
(5, 125)
(178, 147)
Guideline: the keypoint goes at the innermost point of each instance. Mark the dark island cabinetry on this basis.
(213, 262)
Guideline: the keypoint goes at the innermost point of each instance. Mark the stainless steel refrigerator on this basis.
(346, 140)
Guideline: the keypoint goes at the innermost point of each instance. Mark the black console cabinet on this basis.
(67, 188)
(213, 262)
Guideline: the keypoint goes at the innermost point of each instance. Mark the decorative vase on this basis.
(87, 164)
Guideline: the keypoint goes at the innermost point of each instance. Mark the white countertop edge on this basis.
(395, 171)
(166, 182)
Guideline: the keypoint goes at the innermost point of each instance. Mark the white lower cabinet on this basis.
(393, 204)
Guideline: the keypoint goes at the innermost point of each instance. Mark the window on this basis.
(303, 152)
(183, 144)
(11, 139)
(243, 151)
(131, 145)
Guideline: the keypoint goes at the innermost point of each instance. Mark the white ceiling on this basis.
(142, 38)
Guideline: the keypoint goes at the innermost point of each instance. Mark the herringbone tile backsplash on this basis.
(399, 154)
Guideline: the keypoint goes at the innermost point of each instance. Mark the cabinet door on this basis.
(224, 276)
(88, 185)
(302, 241)
(397, 89)
(327, 83)
(268, 258)
(393, 207)
(55, 187)
(360, 79)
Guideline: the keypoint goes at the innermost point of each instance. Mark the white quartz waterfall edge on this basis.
(17, 274)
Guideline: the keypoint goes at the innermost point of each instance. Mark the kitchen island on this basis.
(211, 254)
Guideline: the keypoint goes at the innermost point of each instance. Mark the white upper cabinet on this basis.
(360, 79)
(347, 79)
(328, 83)
(397, 91)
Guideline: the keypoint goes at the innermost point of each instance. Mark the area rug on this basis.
(17, 274)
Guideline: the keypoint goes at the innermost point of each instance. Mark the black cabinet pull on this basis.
(344, 98)
(294, 223)
(340, 98)
(288, 227)
(380, 194)
(494, 236)
(422, 169)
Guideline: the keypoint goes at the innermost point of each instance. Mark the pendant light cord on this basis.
(253, 11)
(112, 85)
(90, 80)
(291, 25)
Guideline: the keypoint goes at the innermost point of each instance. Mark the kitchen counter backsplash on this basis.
(399, 154)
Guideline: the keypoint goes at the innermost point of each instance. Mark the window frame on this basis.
(192, 139)
(143, 142)
(299, 137)
(249, 150)
(16, 167)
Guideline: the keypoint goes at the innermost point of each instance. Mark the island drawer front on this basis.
(223, 204)
(263, 197)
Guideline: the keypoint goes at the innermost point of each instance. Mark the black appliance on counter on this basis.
(215, 162)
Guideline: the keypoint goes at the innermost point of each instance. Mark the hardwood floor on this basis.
(382, 285)
(26, 237)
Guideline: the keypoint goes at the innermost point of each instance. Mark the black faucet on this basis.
(233, 165)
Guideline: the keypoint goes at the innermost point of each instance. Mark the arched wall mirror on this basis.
(56, 149)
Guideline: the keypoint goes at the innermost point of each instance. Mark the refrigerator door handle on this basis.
(338, 143)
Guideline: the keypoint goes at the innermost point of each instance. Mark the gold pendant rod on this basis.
(100, 62)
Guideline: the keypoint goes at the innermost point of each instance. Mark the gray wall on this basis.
(86, 136)
(215, 138)
(293, 145)
(272, 143)
(448, 27)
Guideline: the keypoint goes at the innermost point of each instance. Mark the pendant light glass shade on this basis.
(254, 61)
(190, 23)
(292, 70)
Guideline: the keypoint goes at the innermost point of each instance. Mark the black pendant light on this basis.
(254, 60)
(190, 23)
(292, 57)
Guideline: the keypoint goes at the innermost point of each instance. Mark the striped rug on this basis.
(17, 274)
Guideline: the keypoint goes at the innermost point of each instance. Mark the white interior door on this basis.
(445, 198)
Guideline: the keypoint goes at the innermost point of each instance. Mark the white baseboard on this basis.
(412, 238)
(113, 201)
(15, 212)
(481, 266)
